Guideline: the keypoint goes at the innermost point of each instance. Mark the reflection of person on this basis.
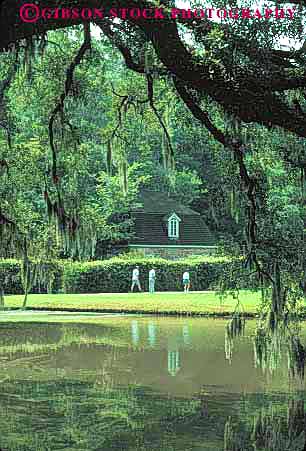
(151, 334)
(135, 332)
(135, 279)
(152, 280)
(186, 281)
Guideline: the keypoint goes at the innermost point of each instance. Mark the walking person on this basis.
(152, 280)
(186, 281)
(135, 279)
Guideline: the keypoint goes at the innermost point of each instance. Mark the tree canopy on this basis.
(190, 106)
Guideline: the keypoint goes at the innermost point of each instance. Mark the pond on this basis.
(141, 383)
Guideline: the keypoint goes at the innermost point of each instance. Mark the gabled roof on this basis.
(150, 223)
(171, 216)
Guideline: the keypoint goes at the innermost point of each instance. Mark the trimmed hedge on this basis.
(10, 276)
(114, 276)
(10, 279)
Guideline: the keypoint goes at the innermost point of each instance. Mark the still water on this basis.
(142, 383)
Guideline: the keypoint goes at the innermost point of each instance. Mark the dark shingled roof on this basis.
(151, 222)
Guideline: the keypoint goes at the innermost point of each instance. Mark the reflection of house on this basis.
(163, 226)
(173, 362)
(174, 343)
(186, 336)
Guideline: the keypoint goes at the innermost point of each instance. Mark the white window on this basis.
(174, 226)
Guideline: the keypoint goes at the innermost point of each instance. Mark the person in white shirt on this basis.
(186, 281)
(135, 279)
(152, 280)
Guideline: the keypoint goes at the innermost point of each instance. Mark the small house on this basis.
(164, 227)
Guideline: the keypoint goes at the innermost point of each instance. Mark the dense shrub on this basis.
(115, 275)
(10, 279)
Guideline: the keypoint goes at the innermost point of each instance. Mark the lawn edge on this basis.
(225, 314)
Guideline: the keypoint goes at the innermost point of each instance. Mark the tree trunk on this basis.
(25, 300)
(1, 298)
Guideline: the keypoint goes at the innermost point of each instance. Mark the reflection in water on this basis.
(278, 328)
(135, 333)
(235, 328)
(173, 343)
(186, 335)
(173, 362)
(274, 339)
(142, 384)
(271, 431)
(151, 334)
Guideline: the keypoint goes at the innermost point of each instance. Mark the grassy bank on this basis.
(159, 303)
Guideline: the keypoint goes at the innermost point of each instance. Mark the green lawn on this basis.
(193, 302)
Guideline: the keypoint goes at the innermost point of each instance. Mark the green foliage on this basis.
(110, 143)
(185, 185)
(271, 430)
(49, 277)
(115, 275)
(114, 203)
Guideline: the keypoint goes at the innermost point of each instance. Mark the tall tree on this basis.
(236, 83)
